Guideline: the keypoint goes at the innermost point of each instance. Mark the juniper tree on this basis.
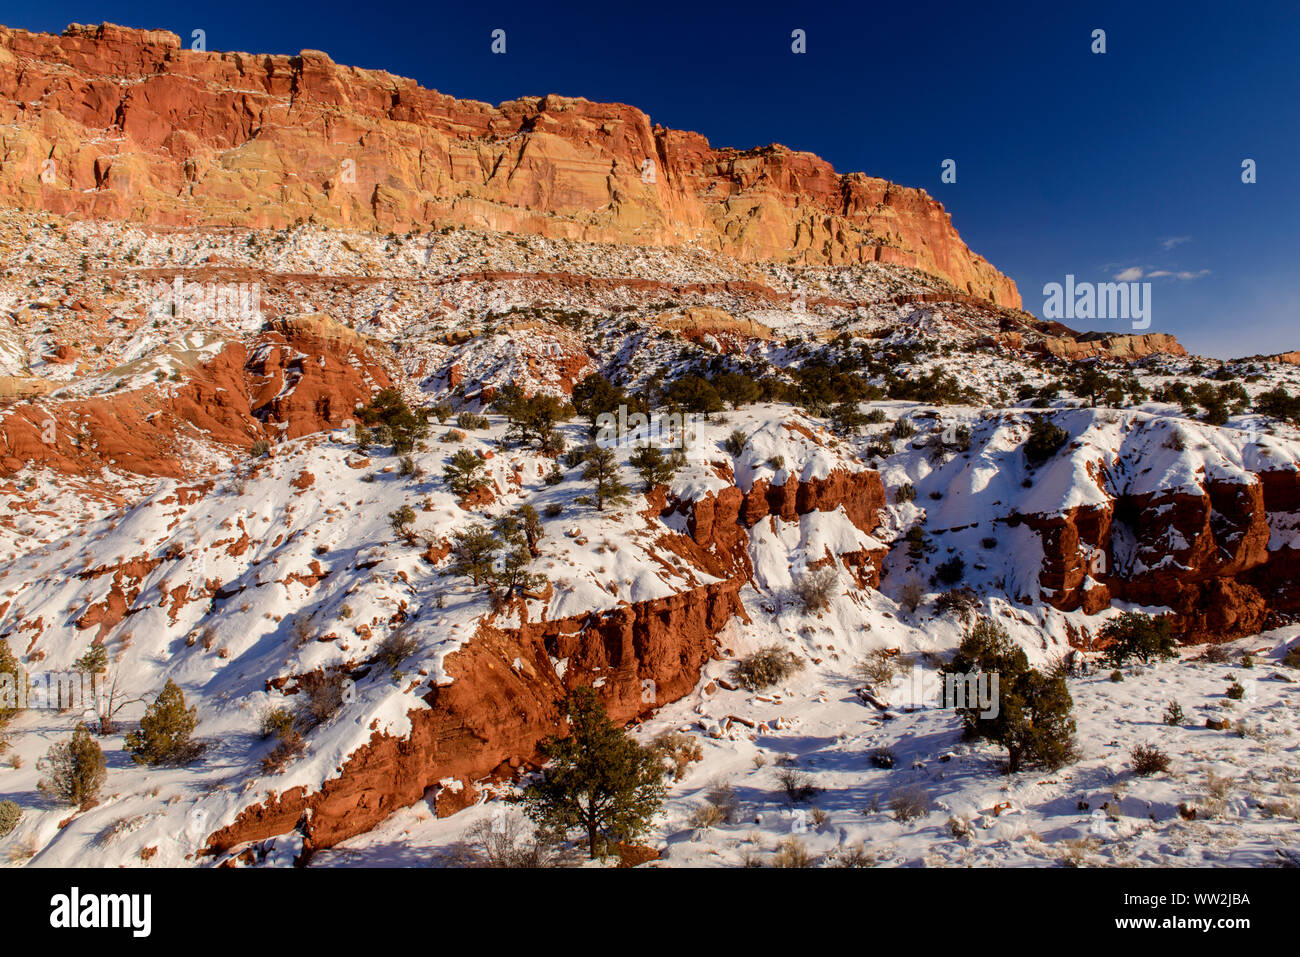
(595, 395)
(94, 661)
(13, 672)
(165, 730)
(693, 393)
(512, 575)
(389, 411)
(523, 526)
(10, 815)
(1032, 715)
(1091, 383)
(532, 526)
(74, 770)
(1045, 440)
(597, 778)
(603, 470)
(473, 553)
(533, 418)
(362, 436)
(465, 472)
(847, 418)
(654, 467)
(1135, 635)
(401, 519)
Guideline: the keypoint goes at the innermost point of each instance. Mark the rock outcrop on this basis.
(504, 698)
(115, 123)
(506, 690)
(1095, 345)
(1205, 555)
(299, 376)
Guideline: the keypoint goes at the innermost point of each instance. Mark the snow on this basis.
(283, 581)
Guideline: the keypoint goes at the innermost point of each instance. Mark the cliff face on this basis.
(1205, 554)
(506, 691)
(138, 128)
(300, 375)
(504, 699)
(1113, 346)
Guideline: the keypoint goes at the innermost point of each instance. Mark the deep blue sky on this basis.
(1067, 162)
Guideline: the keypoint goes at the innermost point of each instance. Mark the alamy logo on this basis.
(53, 690)
(1130, 301)
(976, 690)
(76, 910)
(674, 430)
(206, 301)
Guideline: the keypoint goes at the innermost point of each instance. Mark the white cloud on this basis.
(1131, 274)
(1171, 241)
(1179, 274)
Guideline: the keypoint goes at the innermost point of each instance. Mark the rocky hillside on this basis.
(316, 448)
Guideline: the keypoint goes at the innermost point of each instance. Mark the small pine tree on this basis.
(597, 779)
(465, 472)
(1032, 719)
(402, 519)
(531, 525)
(165, 730)
(473, 553)
(521, 528)
(1135, 635)
(653, 466)
(513, 575)
(847, 418)
(75, 770)
(602, 469)
(395, 420)
(94, 661)
(1045, 440)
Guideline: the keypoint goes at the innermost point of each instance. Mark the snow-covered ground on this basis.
(251, 573)
(1239, 789)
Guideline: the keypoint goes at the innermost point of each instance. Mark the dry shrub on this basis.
(1148, 759)
(816, 586)
(879, 668)
(909, 803)
(322, 697)
(396, 647)
(792, 853)
(797, 784)
(676, 749)
(508, 841)
(707, 815)
(288, 747)
(859, 855)
(765, 667)
(911, 594)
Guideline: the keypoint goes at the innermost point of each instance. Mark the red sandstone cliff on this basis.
(140, 129)
(1204, 555)
(301, 375)
(505, 694)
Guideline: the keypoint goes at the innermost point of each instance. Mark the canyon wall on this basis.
(506, 693)
(1213, 557)
(114, 123)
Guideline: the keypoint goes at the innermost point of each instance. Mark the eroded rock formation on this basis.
(1206, 555)
(140, 129)
(299, 376)
(506, 688)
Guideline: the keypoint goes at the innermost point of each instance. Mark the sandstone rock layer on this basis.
(124, 124)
